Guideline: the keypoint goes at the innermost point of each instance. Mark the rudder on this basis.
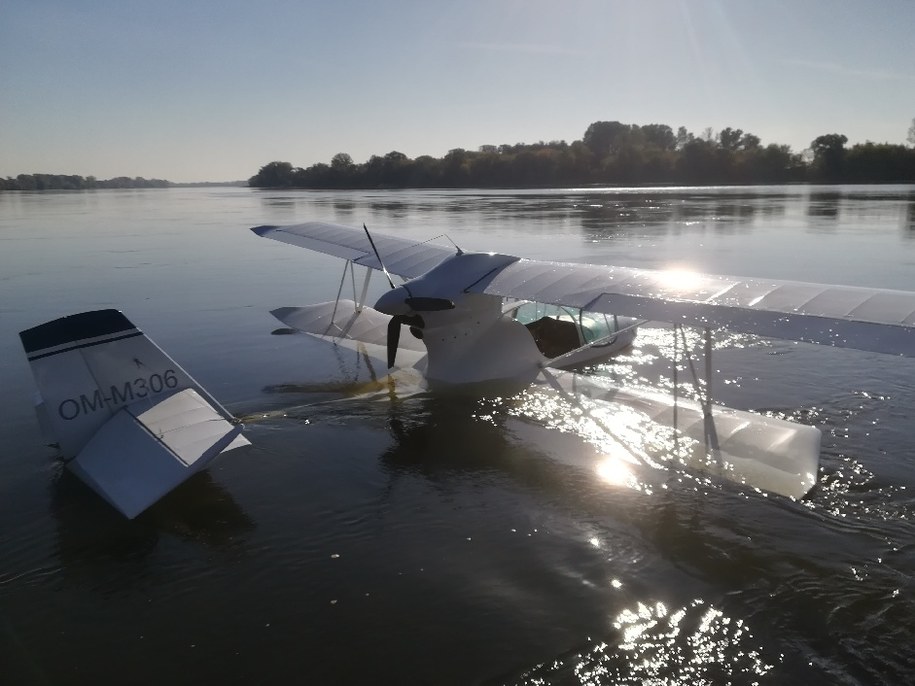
(89, 365)
(126, 417)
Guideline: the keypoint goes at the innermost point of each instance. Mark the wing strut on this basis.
(712, 446)
(711, 436)
(365, 289)
(348, 267)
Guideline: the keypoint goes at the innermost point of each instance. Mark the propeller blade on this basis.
(414, 321)
(378, 257)
(420, 304)
(393, 339)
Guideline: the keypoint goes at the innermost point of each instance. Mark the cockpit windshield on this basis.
(591, 326)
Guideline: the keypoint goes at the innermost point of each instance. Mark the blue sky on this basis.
(194, 90)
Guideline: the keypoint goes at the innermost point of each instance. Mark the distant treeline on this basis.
(612, 153)
(69, 182)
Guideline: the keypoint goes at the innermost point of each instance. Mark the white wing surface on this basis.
(876, 320)
(342, 320)
(403, 257)
(649, 429)
(361, 329)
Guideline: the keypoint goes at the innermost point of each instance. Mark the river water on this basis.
(392, 536)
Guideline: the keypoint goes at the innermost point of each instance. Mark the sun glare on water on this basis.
(616, 472)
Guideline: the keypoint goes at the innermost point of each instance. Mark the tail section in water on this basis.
(127, 418)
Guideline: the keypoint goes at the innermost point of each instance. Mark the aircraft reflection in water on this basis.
(506, 438)
(202, 511)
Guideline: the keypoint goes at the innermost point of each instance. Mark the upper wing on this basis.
(877, 320)
(403, 257)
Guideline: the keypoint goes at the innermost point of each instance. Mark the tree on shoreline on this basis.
(609, 152)
(614, 153)
(65, 182)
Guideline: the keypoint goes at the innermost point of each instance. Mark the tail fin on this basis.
(105, 387)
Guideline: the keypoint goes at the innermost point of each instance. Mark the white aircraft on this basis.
(128, 420)
(474, 318)
(487, 317)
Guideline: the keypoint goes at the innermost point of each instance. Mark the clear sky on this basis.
(194, 90)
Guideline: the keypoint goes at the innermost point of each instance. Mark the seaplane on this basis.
(133, 424)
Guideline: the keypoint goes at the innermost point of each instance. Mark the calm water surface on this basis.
(378, 536)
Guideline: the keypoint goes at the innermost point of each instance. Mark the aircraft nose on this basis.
(393, 302)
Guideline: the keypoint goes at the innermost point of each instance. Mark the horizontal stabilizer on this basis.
(145, 450)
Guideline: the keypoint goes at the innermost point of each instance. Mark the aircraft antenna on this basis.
(449, 239)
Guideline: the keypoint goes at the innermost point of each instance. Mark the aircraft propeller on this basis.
(414, 321)
(413, 303)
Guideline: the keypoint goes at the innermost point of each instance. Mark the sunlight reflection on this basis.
(680, 280)
(694, 644)
(707, 642)
(615, 472)
(627, 434)
(620, 433)
(646, 433)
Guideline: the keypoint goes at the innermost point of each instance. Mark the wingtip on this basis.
(263, 230)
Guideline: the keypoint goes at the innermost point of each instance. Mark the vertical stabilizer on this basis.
(127, 418)
(88, 366)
